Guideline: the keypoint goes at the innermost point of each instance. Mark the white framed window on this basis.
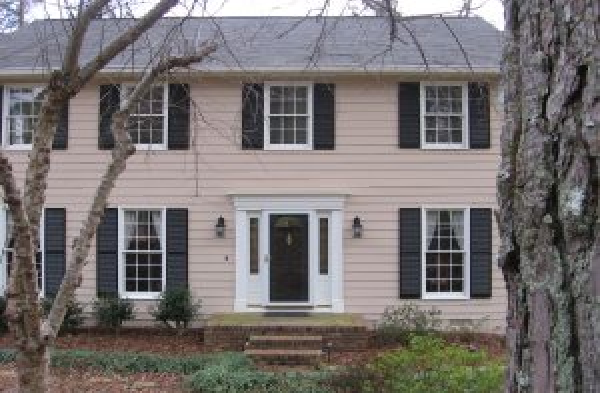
(142, 252)
(324, 243)
(254, 243)
(8, 252)
(445, 248)
(444, 115)
(148, 121)
(20, 113)
(288, 116)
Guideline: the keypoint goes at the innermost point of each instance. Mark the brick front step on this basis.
(233, 337)
(285, 342)
(285, 356)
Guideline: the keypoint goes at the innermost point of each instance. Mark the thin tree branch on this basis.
(124, 40)
(71, 60)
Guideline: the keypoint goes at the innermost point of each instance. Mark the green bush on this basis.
(73, 317)
(176, 308)
(130, 362)
(3, 319)
(221, 379)
(430, 364)
(398, 323)
(111, 312)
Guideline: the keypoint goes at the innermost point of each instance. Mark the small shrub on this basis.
(111, 312)
(73, 317)
(3, 319)
(398, 323)
(430, 364)
(220, 379)
(176, 308)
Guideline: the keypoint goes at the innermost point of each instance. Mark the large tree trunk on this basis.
(548, 194)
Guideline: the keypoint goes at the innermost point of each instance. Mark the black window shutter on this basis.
(179, 117)
(481, 253)
(110, 100)
(177, 248)
(479, 115)
(1, 108)
(55, 245)
(61, 137)
(253, 116)
(107, 254)
(410, 253)
(324, 116)
(409, 115)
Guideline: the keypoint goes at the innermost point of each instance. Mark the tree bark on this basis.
(548, 194)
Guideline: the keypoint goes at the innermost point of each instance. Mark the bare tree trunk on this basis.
(548, 194)
(33, 335)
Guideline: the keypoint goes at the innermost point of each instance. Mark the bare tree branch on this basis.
(122, 151)
(124, 40)
(71, 59)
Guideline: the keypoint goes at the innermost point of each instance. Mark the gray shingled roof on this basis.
(275, 43)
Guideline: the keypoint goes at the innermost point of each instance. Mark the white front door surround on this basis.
(252, 288)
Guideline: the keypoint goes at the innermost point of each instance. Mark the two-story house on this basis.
(310, 165)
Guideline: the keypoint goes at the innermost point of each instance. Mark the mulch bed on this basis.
(157, 341)
(76, 380)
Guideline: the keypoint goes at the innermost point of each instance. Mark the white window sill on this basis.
(18, 147)
(444, 147)
(150, 147)
(140, 295)
(445, 296)
(288, 147)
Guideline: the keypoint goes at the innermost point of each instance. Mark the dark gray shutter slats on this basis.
(179, 117)
(177, 248)
(481, 253)
(479, 115)
(409, 220)
(107, 254)
(409, 115)
(110, 99)
(55, 245)
(1, 114)
(324, 116)
(253, 116)
(61, 137)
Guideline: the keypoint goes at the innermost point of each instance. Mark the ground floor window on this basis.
(445, 249)
(142, 257)
(9, 254)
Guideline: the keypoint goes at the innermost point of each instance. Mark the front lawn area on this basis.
(426, 363)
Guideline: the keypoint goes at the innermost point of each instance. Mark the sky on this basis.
(491, 10)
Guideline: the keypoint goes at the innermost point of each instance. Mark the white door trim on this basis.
(248, 205)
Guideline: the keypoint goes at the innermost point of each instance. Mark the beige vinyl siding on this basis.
(378, 177)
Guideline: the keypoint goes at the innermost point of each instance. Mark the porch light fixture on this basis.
(220, 227)
(357, 228)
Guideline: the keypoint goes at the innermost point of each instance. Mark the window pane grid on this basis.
(288, 115)
(143, 251)
(23, 109)
(147, 120)
(443, 114)
(444, 251)
(9, 251)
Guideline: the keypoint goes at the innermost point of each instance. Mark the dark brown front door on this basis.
(288, 275)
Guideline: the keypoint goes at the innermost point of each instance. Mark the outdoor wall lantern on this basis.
(220, 227)
(357, 228)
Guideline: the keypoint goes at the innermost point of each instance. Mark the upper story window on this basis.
(446, 258)
(444, 115)
(142, 257)
(22, 105)
(147, 124)
(288, 116)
